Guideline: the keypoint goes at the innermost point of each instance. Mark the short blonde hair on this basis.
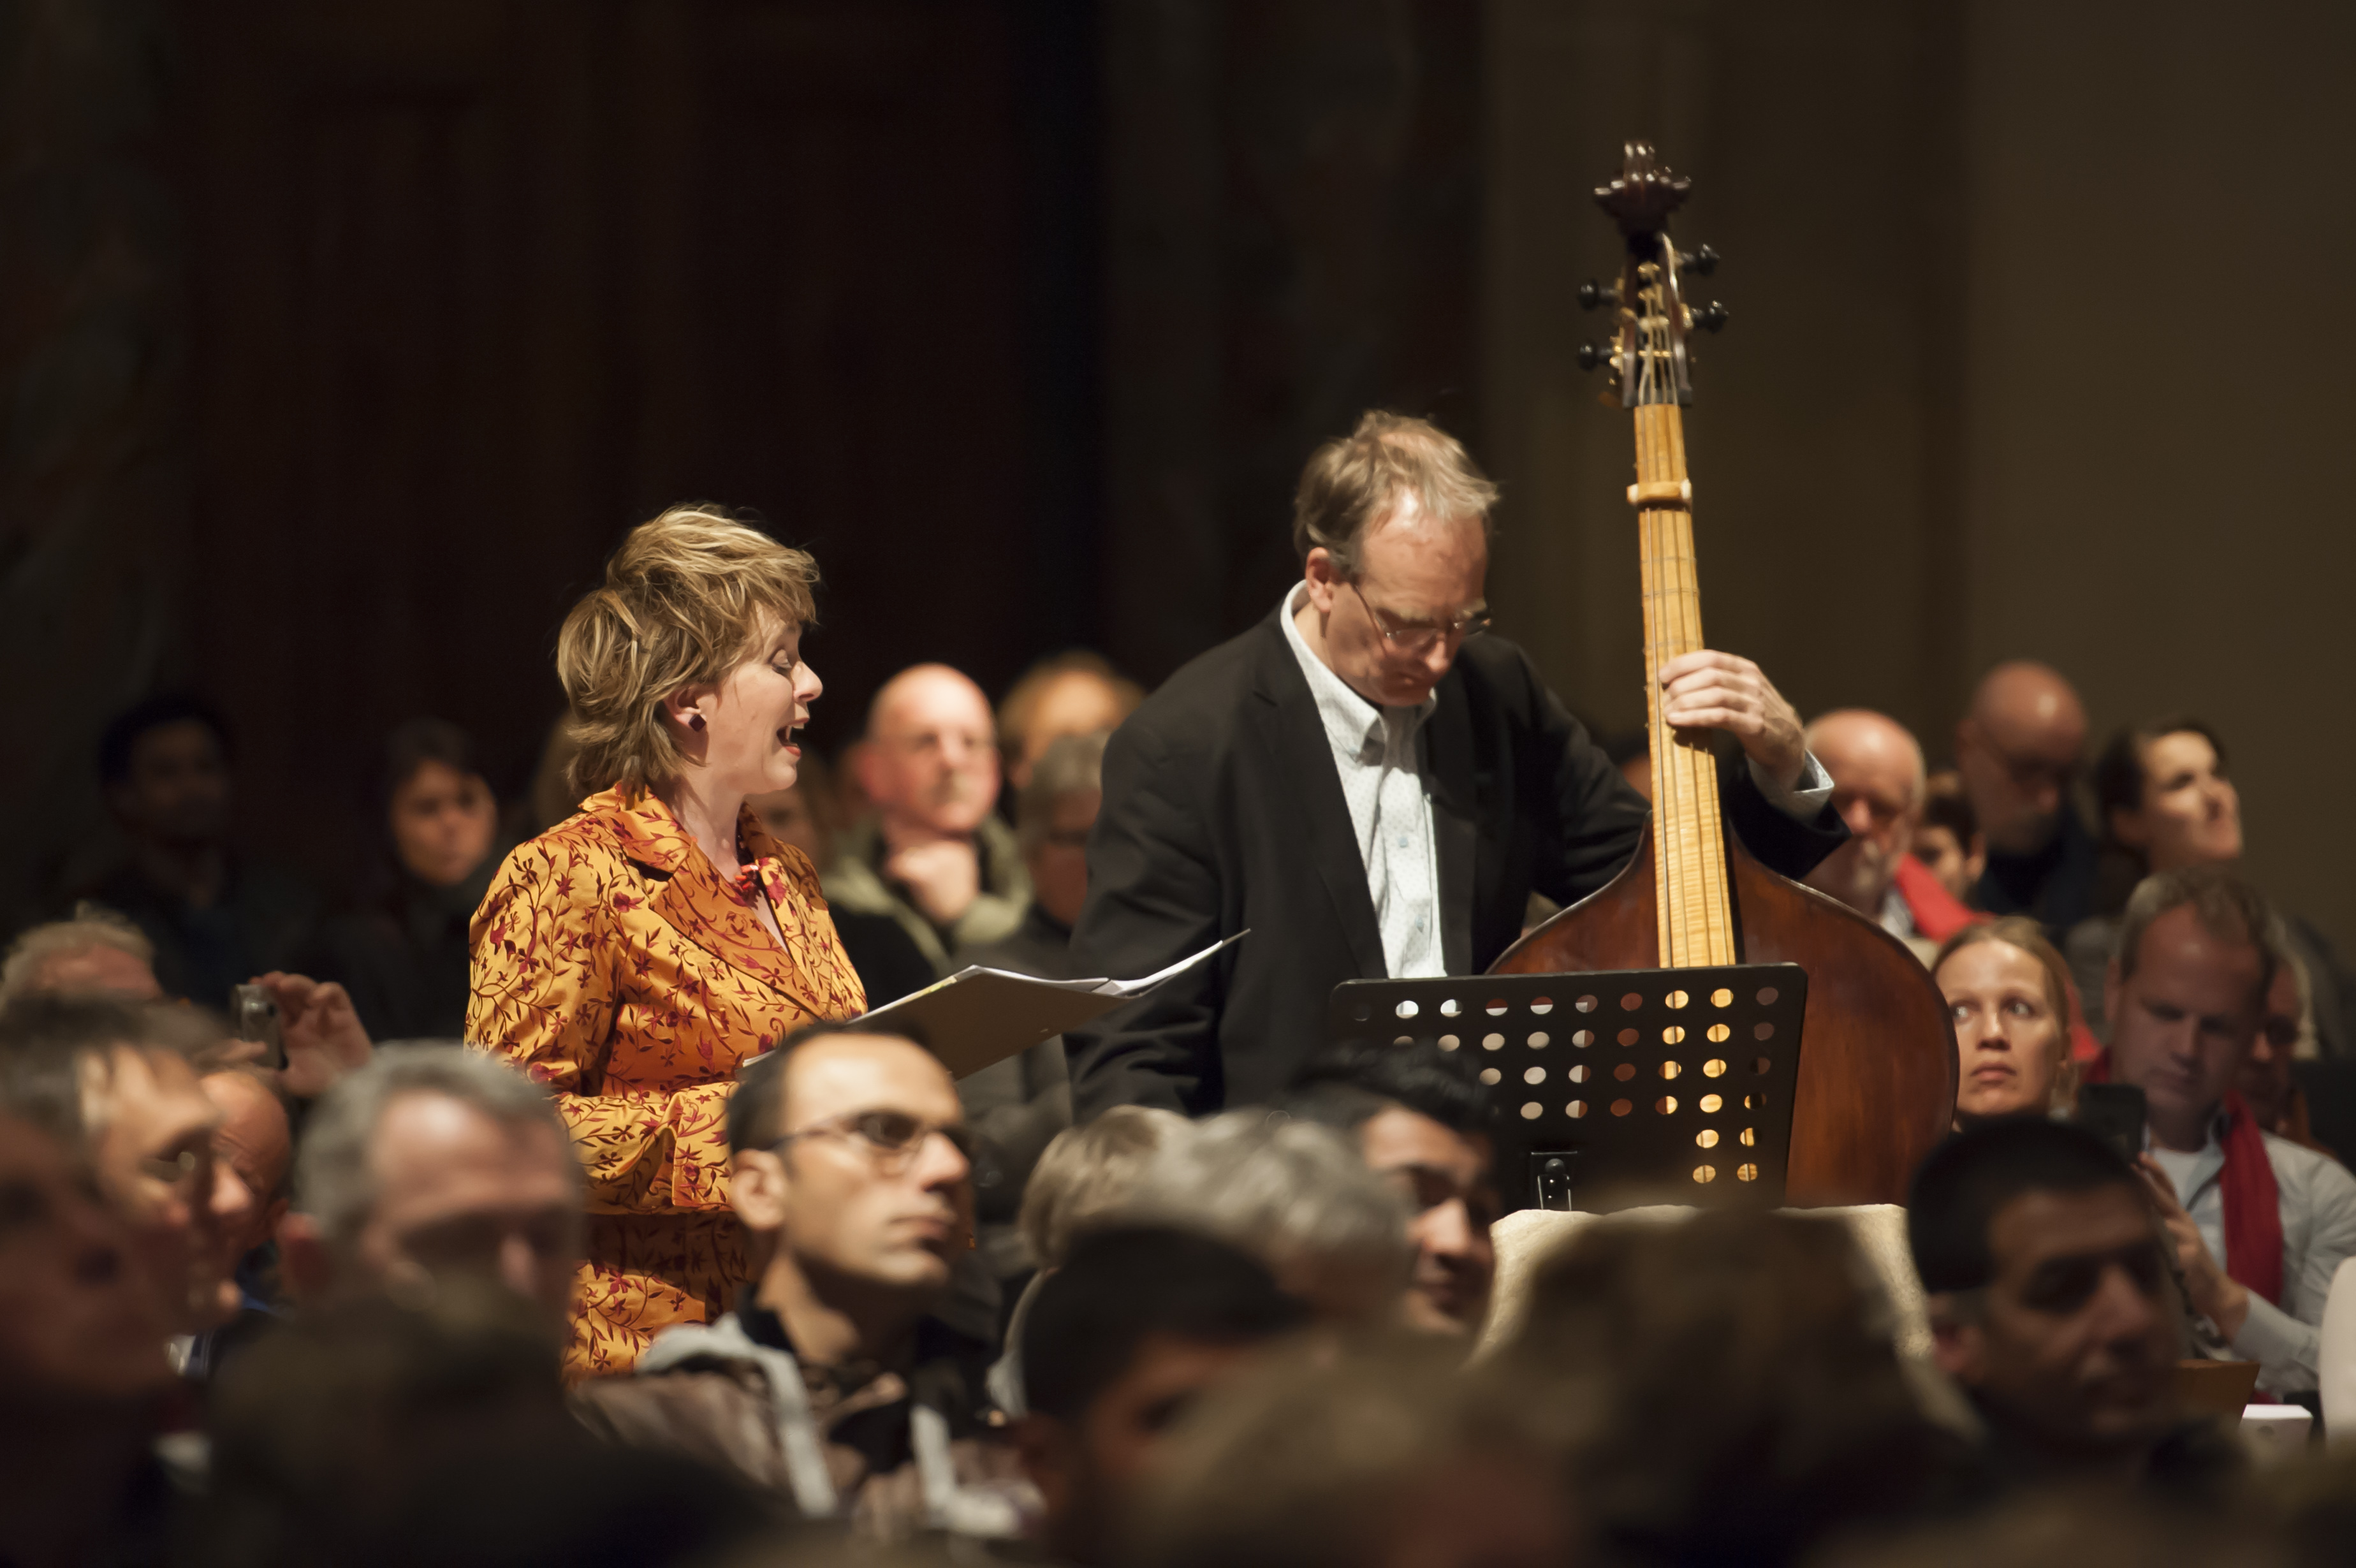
(1356, 481)
(92, 926)
(683, 599)
(1086, 1174)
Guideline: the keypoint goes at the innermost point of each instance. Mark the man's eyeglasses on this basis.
(892, 1138)
(177, 1171)
(1416, 638)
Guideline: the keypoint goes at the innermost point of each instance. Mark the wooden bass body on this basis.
(1877, 1052)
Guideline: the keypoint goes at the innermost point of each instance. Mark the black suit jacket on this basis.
(1222, 809)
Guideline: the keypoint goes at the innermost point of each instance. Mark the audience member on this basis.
(934, 856)
(118, 1078)
(802, 815)
(2168, 801)
(377, 1434)
(1071, 694)
(1878, 783)
(255, 1139)
(2259, 1224)
(831, 1385)
(2019, 750)
(2050, 1307)
(82, 1368)
(1127, 1335)
(98, 950)
(1727, 1387)
(1015, 1106)
(1296, 1196)
(434, 1163)
(1948, 838)
(1386, 1458)
(2009, 994)
(401, 951)
(1423, 1123)
(1083, 1181)
(216, 916)
(2285, 1034)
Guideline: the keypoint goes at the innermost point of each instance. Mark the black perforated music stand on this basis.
(1647, 1085)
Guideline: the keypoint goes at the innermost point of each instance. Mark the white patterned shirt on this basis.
(1381, 764)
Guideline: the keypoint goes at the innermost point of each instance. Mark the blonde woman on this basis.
(2008, 992)
(629, 958)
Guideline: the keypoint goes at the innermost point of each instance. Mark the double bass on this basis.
(1876, 1079)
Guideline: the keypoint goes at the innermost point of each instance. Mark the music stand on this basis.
(1658, 1085)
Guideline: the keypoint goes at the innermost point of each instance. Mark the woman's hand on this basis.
(2216, 1294)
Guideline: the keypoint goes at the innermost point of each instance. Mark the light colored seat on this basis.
(1526, 1238)
(2336, 1356)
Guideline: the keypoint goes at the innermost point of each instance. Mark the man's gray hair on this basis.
(92, 926)
(1294, 1193)
(335, 1178)
(1071, 765)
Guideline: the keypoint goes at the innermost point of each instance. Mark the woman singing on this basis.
(632, 955)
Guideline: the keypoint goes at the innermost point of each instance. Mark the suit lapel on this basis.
(1455, 818)
(716, 916)
(1310, 787)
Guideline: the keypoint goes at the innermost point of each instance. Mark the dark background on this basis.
(340, 341)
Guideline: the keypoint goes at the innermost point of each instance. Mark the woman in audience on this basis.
(400, 952)
(2008, 993)
(629, 958)
(2168, 800)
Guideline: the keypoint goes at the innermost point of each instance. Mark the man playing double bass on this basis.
(1372, 788)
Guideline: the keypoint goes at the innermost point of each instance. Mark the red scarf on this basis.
(2252, 1203)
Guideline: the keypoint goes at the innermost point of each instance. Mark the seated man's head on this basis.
(96, 950)
(255, 1139)
(930, 758)
(2166, 796)
(438, 808)
(2285, 1034)
(1072, 694)
(79, 1326)
(1293, 1195)
(435, 1162)
(1421, 1123)
(2018, 749)
(1948, 839)
(1086, 1175)
(1052, 816)
(1878, 779)
(120, 1079)
(2186, 993)
(2009, 994)
(164, 766)
(2049, 1300)
(850, 1155)
(1117, 1344)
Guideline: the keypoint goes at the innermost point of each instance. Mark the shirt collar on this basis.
(1355, 725)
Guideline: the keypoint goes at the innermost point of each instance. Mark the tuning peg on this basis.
(1591, 356)
(1592, 294)
(1701, 261)
(1708, 317)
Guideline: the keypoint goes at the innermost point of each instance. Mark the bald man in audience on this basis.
(1072, 694)
(2019, 749)
(1877, 786)
(934, 856)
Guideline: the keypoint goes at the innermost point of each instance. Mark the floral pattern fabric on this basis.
(614, 965)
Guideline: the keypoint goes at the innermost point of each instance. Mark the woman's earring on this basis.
(695, 721)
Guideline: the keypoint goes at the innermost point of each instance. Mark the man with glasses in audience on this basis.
(831, 1386)
(2019, 750)
(1373, 788)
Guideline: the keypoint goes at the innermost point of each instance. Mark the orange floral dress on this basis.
(614, 965)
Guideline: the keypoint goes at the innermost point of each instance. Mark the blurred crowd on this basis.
(287, 1271)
